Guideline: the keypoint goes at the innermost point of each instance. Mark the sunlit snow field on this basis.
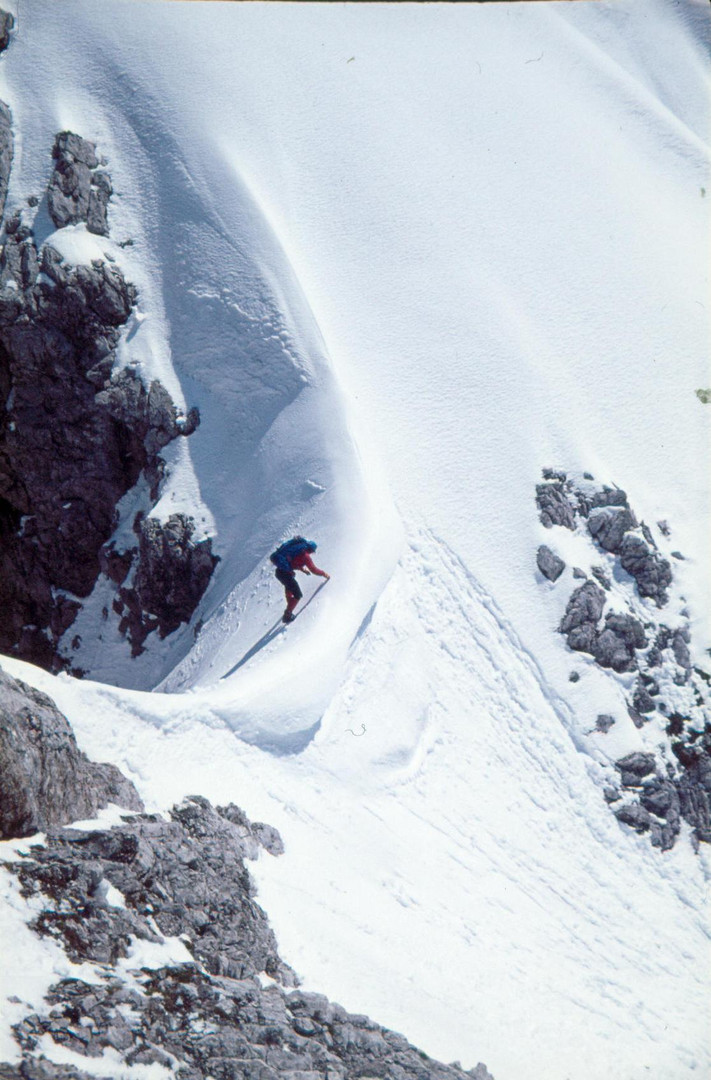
(402, 257)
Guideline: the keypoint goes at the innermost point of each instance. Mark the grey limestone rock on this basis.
(604, 722)
(694, 804)
(660, 797)
(610, 651)
(64, 460)
(173, 571)
(210, 1017)
(39, 1068)
(480, 1072)
(550, 565)
(609, 524)
(683, 792)
(661, 642)
(633, 767)
(635, 815)
(268, 838)
(609, 497)
(581, 619)
(663, 834)
(651, 572)
(97, 211)
(77, 190)
(647, 534)
(6, 148)
(628, 628)
(680, 647)
(7, 23)
(183, 876)
(605, 496)
(585, 606)
(693, 752)
(554, 506)
(583, 638)
(149, 413)
(46, 780)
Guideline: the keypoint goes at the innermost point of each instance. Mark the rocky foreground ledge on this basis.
(111, 898)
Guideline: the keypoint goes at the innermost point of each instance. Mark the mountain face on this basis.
(361, 273)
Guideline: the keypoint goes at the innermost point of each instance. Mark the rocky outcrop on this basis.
(231, 1008)
(78, 190)
(7, 23)
(582, 616)
(634, 766)
(554, 505)
(609, 525)
(634, 815)
(651, 572)
(666, 796)
(613, 525)
(173, 572)
(65, 460)
(550, 565)
(127, 901)
(614, 647)
(76, 435)
(38, 1068)
(182, 876)
(6, 152)
(46, 781)
(656, 791)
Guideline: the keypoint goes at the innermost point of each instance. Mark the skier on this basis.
(294, 555)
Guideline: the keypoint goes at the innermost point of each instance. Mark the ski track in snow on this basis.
(465, 829)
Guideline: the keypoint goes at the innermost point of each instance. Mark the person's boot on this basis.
(288, 616)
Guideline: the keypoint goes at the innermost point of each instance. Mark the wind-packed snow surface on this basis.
(402, 257)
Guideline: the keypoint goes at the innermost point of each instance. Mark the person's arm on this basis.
(312, 568)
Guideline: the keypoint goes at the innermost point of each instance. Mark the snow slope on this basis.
(402, 257)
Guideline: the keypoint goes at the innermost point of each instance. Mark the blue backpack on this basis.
(292, 547)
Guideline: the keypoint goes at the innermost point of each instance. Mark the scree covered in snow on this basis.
(402, 258)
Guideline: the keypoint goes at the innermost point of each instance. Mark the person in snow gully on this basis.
(295, 555)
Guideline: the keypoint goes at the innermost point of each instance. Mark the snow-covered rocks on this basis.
(7, 23)
(80, 432)
(608, 525)
(554, 505)
(6, 152)
(651, 572)
(619, 627)
(78, 190)
(173, 571)
(187, 975)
